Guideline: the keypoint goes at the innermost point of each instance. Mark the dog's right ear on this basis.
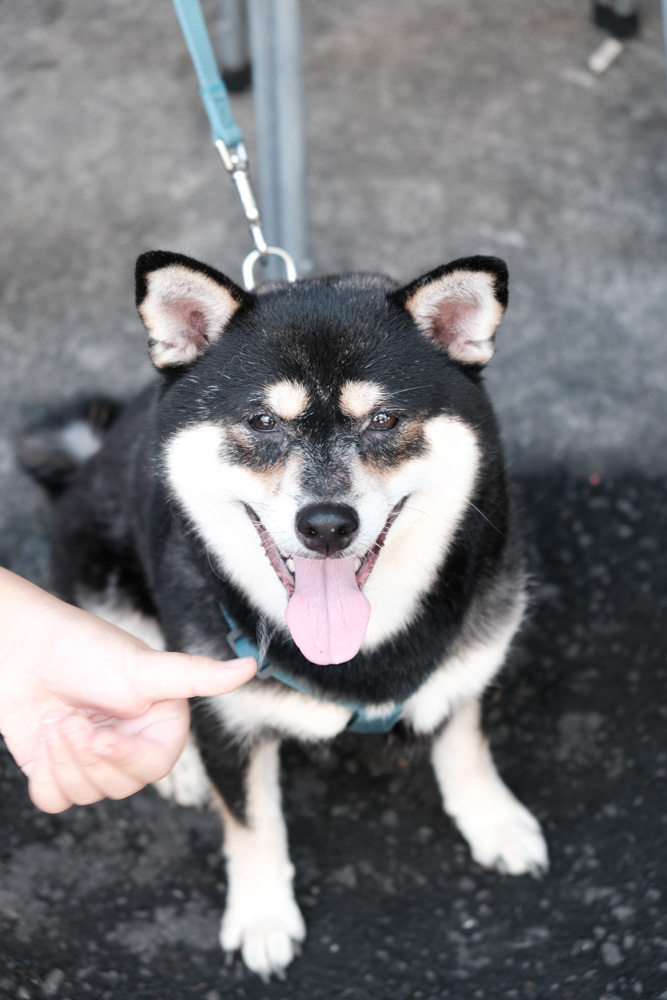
(185, 306)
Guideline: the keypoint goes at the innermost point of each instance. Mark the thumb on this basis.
(163, 676)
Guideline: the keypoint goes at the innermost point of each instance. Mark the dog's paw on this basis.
(187, 783)
(507, 838)
(268, 933)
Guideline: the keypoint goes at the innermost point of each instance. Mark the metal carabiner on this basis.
(248, 266)
(235, 161)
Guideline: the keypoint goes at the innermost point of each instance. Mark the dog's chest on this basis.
(462, 676)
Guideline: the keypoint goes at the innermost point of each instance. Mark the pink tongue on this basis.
(327, 614)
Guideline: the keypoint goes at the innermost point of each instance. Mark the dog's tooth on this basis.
(289, 562)
(357, 564)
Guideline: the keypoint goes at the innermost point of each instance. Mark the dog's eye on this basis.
(383, 421)
(263, 422)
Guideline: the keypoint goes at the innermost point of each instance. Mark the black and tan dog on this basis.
(317, 471)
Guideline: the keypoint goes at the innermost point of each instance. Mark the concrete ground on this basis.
(435, 130)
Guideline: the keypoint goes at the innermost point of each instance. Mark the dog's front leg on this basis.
(261, 917)
(502, 834)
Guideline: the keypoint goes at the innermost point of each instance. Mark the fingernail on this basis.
(244, 661)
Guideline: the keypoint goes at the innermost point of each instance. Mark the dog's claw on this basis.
(538, 871)
(499, 866)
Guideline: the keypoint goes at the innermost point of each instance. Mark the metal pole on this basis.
(275, 45)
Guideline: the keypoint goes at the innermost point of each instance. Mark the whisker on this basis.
(485, 517)
(417, 510)
(212, 567)
(411, 388)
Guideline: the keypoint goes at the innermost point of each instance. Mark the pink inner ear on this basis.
(453, 322)
(185, 311)
(192, 325)
(198, 329)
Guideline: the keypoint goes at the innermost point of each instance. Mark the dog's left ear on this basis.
(185, 306)
(459, 306)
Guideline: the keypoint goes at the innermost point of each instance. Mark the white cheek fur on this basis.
(213, 493)
(439, 484)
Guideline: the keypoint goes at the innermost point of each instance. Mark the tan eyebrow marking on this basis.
(287, 399)
(358, 399)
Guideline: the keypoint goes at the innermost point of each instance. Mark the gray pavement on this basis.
(435, 130)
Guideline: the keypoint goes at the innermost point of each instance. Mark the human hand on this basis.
(87, 710)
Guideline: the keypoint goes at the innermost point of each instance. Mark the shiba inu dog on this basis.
(317, 476)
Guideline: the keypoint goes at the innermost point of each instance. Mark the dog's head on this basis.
(324, 437)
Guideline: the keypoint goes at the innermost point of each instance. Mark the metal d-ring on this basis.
(248, 266)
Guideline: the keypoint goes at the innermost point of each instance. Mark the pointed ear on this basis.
(459, 306)
(185, 306)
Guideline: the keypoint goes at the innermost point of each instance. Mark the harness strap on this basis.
(360, 722)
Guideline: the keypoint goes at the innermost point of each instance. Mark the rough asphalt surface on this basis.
(435, 130)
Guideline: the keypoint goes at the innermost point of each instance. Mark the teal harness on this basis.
(360, 721)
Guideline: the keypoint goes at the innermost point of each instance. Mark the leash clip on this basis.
(235, 160)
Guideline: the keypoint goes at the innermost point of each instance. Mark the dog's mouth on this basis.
(327, 613)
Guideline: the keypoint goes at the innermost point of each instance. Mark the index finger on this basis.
(164, 676)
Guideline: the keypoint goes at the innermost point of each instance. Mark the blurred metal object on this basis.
(618, 17)
(233, 44)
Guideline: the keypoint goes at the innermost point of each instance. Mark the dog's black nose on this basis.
(327, 527)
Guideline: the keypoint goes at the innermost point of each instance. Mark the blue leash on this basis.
(212, 89)
(360, 722)
(226, 134)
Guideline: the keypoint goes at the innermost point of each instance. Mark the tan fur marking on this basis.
(287, 399)
(358, 399)
(411, 436)
(264, 476)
